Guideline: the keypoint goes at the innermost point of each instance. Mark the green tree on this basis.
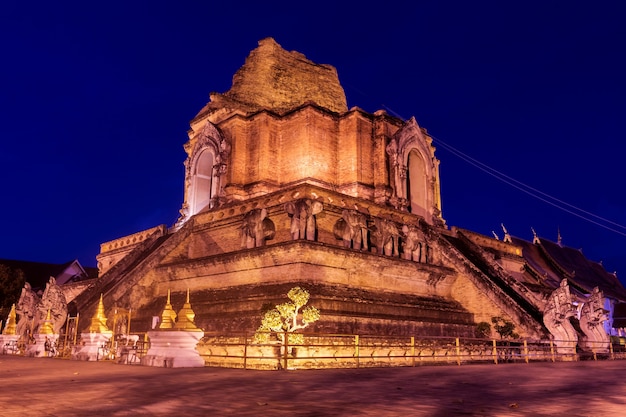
(11, 284)
(282, 320)
(483, 329)
(504, 328)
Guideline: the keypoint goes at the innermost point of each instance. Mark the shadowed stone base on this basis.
(38, 349)
(92, 344)
(8, 344)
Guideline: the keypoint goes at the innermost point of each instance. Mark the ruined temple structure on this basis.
(579, 299)
(285, 186)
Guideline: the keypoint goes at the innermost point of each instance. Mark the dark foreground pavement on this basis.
(55, 387)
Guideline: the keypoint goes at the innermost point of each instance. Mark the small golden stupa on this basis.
(99, 320)
(186, 316)
(10, 327)
(46, 327)
(168, 316)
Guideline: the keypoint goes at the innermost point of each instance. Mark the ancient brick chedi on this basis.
(284, 186)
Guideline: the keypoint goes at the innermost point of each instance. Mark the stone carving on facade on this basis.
(256, 228)
(398, 170)
(209, 140)
(592, 318)
(352, 229)
(411, 139)
(26, 310)
(414, 244)
(303, 212)
(33, 311)
(385, 237)
(53, 301)
(556, 317)
(184, 211)
(219, 170)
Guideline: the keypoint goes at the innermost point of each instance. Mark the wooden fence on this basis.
(354, 351)
(318, 351)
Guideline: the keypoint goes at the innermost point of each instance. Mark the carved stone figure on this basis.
(26, 309)
(395, 163)
(592, 317)
(219, 169)
(386, 236)
(559, 308)
(53, 300)
(256, 228)
(303, 213)
(352, 229)
(414, 244)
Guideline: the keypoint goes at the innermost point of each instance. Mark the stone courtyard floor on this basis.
(56, 387)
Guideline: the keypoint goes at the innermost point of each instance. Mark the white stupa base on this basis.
(38, 349)
(93, 348)
(8, 344)
(174, 349)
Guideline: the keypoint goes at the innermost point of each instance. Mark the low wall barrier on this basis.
(354, 351)
(319, 351)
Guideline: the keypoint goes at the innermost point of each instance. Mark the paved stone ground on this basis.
(56, 387)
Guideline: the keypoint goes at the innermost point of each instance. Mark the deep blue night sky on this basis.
(96, 101)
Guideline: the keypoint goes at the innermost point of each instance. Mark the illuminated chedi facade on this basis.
(285, 186)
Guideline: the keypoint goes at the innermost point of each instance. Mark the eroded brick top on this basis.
(275, 79)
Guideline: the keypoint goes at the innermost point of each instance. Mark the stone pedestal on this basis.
(8, 344)
(92, 350)
(38, 348)
(174, 349)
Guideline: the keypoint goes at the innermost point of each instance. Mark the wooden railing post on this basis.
(76, 328)
(458, 351)
(245, 351)
(286, 347)
(356, 349)
(495, 352)
(525, 350)
(413, 351)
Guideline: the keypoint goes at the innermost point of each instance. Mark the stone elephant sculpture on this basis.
(352, 229)
(256, 228)
(386, 237)
(302, 214)
(414, 245)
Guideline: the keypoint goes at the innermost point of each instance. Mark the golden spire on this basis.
(99, 320)
(9, 329)
(168, 316)
(186, 316)
(46, 327)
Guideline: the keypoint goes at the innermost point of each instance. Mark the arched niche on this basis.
(202, 181)
(207, 161)
(416, 184)
(414, 172)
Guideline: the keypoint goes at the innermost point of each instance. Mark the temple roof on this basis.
(586, 273)
(278, 80)
(37, 274)
(556, 262)
(533, 257)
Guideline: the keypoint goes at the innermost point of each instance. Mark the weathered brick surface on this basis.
(273, 78)
(280, 134)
